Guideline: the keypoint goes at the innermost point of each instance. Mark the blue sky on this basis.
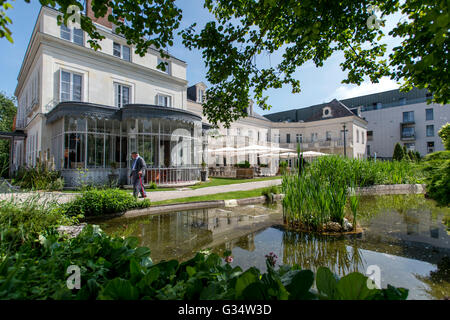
(318, 84)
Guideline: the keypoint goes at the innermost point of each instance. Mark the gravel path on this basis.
(168, 195)
(62, 197)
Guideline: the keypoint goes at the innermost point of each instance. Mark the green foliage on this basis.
(116, 268)
(39, 178)
(152, 185)
(97, 202)
(244, 164)
(7, 112)
(312, 199)
(22, 222)
(444, 134)
(366, 173)
(320, 193)
(399, 153)
(245, 32)
(437, 169)
(268, 192)
(144, 24)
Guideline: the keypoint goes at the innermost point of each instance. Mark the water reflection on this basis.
(311, 251)
(404, 235)
(181, 234)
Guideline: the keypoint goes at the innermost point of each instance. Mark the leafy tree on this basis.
(444, 134)
(398, 152)
(7, 112)
(302, 31)
(418, 156)
(143, 23)
(308, 30)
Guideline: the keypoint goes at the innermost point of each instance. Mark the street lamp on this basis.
(345, 140)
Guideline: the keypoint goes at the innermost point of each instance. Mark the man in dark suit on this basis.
(137, 171)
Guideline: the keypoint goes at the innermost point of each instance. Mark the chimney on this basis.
(101, 20)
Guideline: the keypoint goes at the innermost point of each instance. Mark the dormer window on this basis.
(121, 51)
(201, 95)
(326, 112)
(72, 34)
(166, 65)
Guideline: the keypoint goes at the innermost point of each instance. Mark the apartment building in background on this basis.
(400, 117)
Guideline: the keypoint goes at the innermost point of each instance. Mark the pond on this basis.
(404, 236)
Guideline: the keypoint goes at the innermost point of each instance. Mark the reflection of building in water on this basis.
(416, 226)
(181, 234)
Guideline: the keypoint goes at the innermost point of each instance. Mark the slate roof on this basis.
(313, 113)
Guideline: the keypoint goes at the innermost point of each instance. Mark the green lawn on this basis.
(217, 196)
(215, 181)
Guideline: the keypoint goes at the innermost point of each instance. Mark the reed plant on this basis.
(312, 200)
(319, 193)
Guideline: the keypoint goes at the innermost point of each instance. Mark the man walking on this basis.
(137, 171)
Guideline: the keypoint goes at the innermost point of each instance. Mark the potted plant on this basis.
(244, 171)
(113, 177)
(204, 172)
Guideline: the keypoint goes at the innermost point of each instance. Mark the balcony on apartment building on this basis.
(307, 144)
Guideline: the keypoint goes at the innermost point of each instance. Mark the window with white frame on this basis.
(166, 65)
(276, 137)
(163, 100)
(299, 138)
(70, 86)
(72, 34)
(201, 95)
(238, 131)
(121, 51)
(122, 95)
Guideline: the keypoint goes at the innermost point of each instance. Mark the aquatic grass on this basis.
(312, 200)
(319, 193)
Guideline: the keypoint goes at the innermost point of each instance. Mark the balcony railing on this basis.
(337, 143)
(49, 106)
(408, 136)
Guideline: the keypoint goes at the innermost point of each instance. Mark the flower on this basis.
(271, 259)
(229, 259)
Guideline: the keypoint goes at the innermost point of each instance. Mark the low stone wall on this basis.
(384, 189)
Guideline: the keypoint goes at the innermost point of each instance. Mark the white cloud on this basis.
(367, 87)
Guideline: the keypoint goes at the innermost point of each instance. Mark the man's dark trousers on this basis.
(137, 186)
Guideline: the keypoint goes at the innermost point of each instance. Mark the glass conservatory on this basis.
(92, 142)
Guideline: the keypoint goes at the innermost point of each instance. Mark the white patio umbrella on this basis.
(254, 147)
(312, 154)
(225, 149)
(278, 149)
(287, 155)
(269, 155)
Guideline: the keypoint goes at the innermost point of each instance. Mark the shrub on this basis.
(100, 202)
(152, 185)
(437, 168)
(244, 164)
(25, 221)
(398, 152)
(39, 178)
(444, 134)
(115, 268)
(268, 192)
